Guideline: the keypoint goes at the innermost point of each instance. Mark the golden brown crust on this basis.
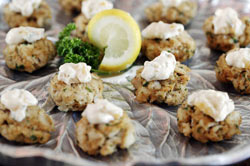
(35, 128)
(181, 14)
(219, 41)
(71, 6)
(104, 139)
(229, 41)
(75, 97)
(81, 24)
(172, 91)
(245, 38)
(40, 18)
(192, 122)
(239, 77)
(182, 46)
(29, 57)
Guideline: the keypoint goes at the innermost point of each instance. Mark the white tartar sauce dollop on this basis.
(71, 73)
(161, 30)
(213, 103)
(225, 19)
(91, 8)
(239, 58)
(17, 101)
(22, 34)
(25, 7)
(172, 3)
(102, 112)
(161, 68)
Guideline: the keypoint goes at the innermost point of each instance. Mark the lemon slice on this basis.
(119, 35)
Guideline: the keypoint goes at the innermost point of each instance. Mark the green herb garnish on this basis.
(33, 138)
(145, 84)
(88, 89)
(75, 50)
(19, 67)
(235, 40)
(199, 130)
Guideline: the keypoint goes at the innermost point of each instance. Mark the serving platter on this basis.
(158, 140)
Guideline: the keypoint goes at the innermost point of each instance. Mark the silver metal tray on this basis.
(158, 140)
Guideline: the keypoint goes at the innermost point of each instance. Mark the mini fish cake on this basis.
(233, 67)
(28, 49)
(171, 11)
(74, 87)
(81, 25)
(31, 126)
(17, 13)
(88, 10)
(170, 90)
(104, 135)
(222, 37)
(204, 121)
(158, 37)
(71, 7)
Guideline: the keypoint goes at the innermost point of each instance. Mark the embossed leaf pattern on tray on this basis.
(158, 139)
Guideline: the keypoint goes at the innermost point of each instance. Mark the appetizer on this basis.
(170, 11)
(234, 67)
(34, 13)
(27, 49)
(162, 80)
(208, 115)
(159, 36)
(74, 87)
(71, 7)
(89, 9)
(225, 31)
(104, 127)
(21, 120)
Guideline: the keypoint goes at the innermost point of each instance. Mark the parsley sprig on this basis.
(74, 50)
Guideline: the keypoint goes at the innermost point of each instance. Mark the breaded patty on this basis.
(239, 77)
(245, 39)
(81, 25)
(104, 139)
(76, 96)
(35, 128)
(192, 122)
(172, 91)
(226, 42)
(40, 18)
(71, 6)
(29, 56)
(182, 46)
(181, 14)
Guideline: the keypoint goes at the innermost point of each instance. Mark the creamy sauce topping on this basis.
(172, 3)
(25, 7)
(17, 101)
(239, 58)
(216, 104)
(71, 73)
(226, 19)
(92, 7)
(22, 34)
(102, 112)
(161, 30)
(161, 68)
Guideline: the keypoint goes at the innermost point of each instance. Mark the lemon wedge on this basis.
(119, 35)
